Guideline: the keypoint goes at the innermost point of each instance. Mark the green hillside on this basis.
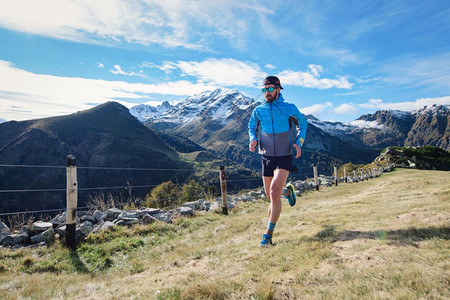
(104, 136)
(386, 238)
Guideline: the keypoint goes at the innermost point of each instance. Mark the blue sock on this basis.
(271, 227)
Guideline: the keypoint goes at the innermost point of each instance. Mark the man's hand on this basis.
(298, 149)
(252, 145)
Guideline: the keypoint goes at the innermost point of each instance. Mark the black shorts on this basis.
(271, 163)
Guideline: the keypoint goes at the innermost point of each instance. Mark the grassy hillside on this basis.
(379, 239)
(104, 136)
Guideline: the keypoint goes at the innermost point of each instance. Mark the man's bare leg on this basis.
(273, 186)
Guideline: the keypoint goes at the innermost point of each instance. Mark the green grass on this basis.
(386, 238)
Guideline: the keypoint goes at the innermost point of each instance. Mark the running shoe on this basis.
(291, 198)
(266, 240)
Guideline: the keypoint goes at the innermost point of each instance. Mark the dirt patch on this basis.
(362, 253)
(425, 217)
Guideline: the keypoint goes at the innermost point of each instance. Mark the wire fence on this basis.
(305, 172)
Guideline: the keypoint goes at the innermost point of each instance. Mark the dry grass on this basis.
(380, 239)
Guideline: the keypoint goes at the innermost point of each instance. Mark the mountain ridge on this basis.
(358, 141)
(208, 129)
(381, 129)
(104, 136)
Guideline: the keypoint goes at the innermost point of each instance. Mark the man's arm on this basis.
(252, 124)
(302, 124)
(298, 149)
(252, 145)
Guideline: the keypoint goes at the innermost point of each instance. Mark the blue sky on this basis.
(336, 59)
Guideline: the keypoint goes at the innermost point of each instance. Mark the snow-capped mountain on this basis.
(215, 120)
(431, 127)
(426, 126)
(435, 110)
(218, 120)
(143, 112)
(217, 105)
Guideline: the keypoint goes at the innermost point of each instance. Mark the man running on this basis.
(277, 127)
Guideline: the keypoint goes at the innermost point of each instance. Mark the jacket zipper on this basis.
(273, 130)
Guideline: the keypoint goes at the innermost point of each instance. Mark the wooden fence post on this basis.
(72, 199)
(345, 175)
(223, 187)
(316, 178)
(335, 176)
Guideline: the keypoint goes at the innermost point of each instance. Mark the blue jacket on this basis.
(277, 126)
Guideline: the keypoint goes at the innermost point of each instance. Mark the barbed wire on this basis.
(32, 166)
(129, 187)
(101, 168)
(40, 211)
(137, 169)
(35, 190)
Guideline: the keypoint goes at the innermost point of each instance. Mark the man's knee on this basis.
(275, 192)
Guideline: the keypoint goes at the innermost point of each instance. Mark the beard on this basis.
(270, 98)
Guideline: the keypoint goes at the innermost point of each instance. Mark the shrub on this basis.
(192, 191)
(163, 195)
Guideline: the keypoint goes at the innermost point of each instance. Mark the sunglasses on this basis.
(271, 89)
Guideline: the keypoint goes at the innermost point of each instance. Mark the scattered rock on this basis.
(3, 228)
(87, 227)
(107, 225)
(88, 217)
(21, 239)
(148, 219)
(130, 217)
(98, 215)
(112, 214)
(186, 211)
(195, 204)
(42, 233)
(40, 226)
(45, 236)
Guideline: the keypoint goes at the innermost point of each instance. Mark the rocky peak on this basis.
(216, 105)
(393, 120)
(144, 111)
(435, 110)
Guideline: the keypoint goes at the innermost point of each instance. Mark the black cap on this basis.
(272, 80)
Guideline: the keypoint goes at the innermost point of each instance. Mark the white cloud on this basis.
(87, 21)
(315, 70)
(171, 24)
(326, 111)
(378, 104)
(25, 95)
(317, 110)
(224, 72)
(311, 79)
(118, 71)
(345, 109)
(229, 72)
(372, 104)
(269, 66)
